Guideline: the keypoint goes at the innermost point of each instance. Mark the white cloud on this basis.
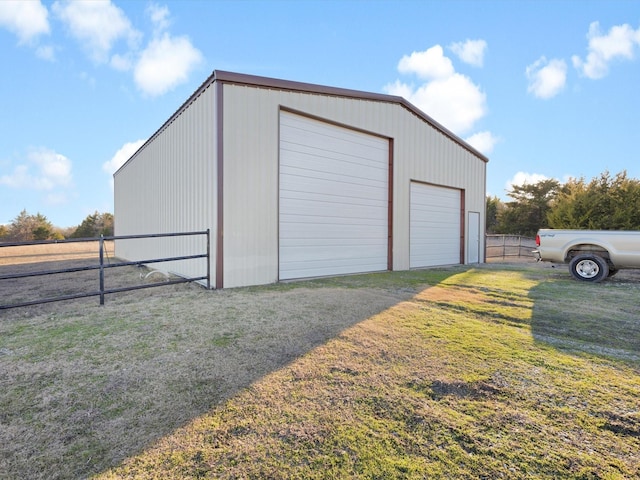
(452, 99)
(400, 89)
(97, 25)
(619, 43)
(522, 178)
(45, 170)
(121, 156)
(159, 17)
(27, 20)
(470, 51)
(546, 77)
(430, 64)
(165, 63)
(483, 141)
(46, 52)
(455, 102)
(122, 63)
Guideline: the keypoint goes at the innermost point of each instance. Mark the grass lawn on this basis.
(489, 372)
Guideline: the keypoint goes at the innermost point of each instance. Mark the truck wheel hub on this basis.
(587, 269)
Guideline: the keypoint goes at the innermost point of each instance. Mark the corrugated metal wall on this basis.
(170, 186)
(421, 153)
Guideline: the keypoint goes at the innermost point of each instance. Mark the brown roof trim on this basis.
(266, 82)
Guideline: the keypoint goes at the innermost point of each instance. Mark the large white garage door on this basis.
(333, 199)
(434, 225)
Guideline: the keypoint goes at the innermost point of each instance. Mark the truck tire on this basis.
(589, 268)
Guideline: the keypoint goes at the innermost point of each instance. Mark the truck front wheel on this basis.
(589, 268)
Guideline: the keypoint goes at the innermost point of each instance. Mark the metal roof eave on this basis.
(267, 82)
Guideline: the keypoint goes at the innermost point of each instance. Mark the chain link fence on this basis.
(509, 248)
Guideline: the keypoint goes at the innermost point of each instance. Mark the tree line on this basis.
(27, 228)
(604, 203)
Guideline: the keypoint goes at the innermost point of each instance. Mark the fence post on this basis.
(101, 269)
(208, 260)
(519, 246)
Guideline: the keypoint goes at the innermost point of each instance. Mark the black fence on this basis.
(102, 266)
(509, 247)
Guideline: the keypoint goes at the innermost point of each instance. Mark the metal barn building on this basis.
(297, 180)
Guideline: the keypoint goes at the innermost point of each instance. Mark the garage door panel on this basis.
(364, 230)
(437, 206)
(334, 149)
(332, 168)
(434, 225)
(330, 266)
(331, 236)
(327, 254)
(327, 232)
(339, 221)
(322, 209)
(335, 192)
(301, 136)
(333, 199)
(299, 244)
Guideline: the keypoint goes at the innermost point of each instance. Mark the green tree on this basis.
(62, 233)
(26, 227)
(528, 211)
(494, 208)
(605, 203)
(95, 225)
(4, 232)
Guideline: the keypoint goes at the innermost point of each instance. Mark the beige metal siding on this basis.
(421, 153)
(250, 142)
(170, 186)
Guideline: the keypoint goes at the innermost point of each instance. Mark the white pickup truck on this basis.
(592, 255)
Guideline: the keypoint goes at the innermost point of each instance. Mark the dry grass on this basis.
(51, 252)
(60, 256)
(495, 372)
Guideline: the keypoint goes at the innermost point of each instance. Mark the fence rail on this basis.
(102, 266)
(509, 246)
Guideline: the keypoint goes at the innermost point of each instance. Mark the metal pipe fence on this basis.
(102, 266)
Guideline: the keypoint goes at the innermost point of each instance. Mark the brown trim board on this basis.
(219, 165)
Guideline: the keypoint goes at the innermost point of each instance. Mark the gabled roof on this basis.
(265, 82)
(274, 83)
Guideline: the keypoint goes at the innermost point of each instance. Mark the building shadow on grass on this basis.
(85, 387)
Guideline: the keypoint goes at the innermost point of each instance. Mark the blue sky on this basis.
(546, 89)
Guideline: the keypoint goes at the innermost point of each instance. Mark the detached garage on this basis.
(297, 180)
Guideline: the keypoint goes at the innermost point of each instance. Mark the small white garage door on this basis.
(434, 225)
(333, 212)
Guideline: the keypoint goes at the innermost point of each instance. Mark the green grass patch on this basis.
(481, 373)
(488, 372)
